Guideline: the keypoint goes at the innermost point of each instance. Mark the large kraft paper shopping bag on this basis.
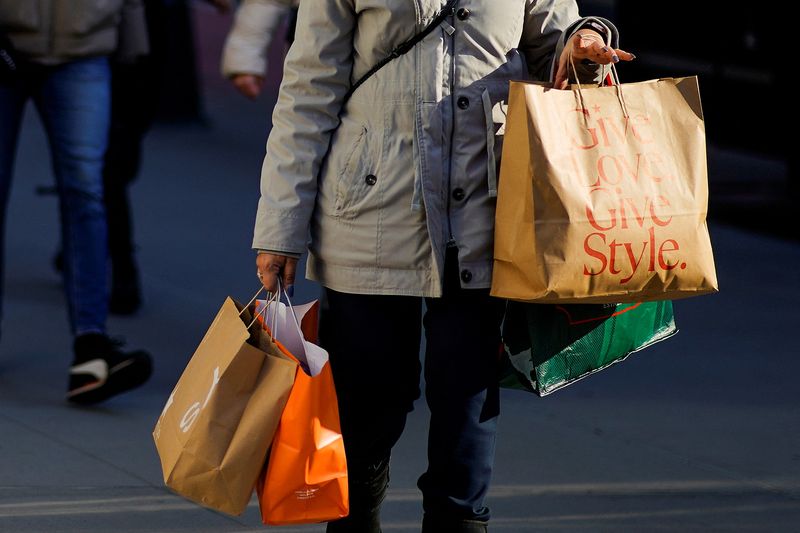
(603, 195)
(216, 427)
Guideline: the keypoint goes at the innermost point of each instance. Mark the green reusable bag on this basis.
(548, 347)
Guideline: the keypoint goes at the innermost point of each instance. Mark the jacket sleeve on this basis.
(316, 77)
(254, 27)
(548, 26)
(133, 40)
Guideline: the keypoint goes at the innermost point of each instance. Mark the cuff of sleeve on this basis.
(278, 252)
(238, 58)
(284, 230)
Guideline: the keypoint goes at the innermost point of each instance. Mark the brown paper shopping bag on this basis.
(603, 195)
(217, 425)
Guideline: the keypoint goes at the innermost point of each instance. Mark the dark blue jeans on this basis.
(374, 343)
(73, 101)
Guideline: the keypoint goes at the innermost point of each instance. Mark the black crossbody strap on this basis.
(7, 61)
(401, 49)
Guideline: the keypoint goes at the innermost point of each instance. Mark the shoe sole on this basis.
(118, 381)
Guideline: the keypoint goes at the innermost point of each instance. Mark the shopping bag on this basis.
(603, 195)
(214, 432)
(305, 479)
(547, 347)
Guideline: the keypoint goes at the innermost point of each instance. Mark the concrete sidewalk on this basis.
(699, 433)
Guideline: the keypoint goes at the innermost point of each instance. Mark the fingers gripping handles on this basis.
(273, 307)
(614, 75)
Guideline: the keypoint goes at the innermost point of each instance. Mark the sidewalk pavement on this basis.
(699, 433)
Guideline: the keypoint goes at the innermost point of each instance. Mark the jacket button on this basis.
(463, 13)
(371, 179)
(463, 102)
(458, 194)
(466, 276)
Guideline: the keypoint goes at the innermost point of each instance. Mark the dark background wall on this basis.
(742, 60)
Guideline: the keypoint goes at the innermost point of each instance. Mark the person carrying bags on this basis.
(384, 149)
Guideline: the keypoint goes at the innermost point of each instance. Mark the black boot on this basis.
(367, 492)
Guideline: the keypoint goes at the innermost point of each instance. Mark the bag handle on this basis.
(404, 47)
(291, 307)
(617, 84)
(614, 73)
(272, 299)
(302, 359)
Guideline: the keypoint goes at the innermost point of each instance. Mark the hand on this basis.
(272, 266)
(587, 44)
(248, 84)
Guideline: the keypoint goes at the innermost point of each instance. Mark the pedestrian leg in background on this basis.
(373, 342)
(74, 103)
(135, 100)
(13, 96)
(133, 107)
(462, 332)
(73, 100)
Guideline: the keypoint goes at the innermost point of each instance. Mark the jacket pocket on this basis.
(353, 180)
(20, 16)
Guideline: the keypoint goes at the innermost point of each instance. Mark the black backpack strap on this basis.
(403, 48)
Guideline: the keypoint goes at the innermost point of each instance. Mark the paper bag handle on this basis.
(617, 84)
(271, 299)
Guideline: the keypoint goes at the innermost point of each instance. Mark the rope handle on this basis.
(271, 300)
(615, 79)
(614, 74)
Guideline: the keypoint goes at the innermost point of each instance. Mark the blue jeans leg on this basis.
(74, 101)
(462, 332)
(12, 103)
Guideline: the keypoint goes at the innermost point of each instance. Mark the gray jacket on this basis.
(55, 31)
(412, 167)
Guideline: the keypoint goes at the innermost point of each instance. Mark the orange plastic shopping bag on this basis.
(305, 479)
